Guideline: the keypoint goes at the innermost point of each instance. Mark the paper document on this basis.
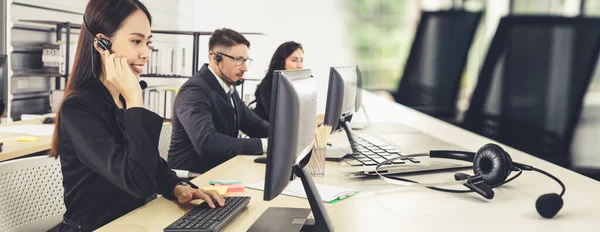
(35, 130)
(328, 193)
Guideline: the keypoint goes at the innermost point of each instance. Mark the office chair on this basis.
(530, 89)
(431, 78)
(164, 143)
(31, 194)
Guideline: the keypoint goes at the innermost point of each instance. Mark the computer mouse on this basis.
(261, 160)
(48, 120)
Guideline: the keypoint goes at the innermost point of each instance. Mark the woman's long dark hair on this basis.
(278, 60)
(101, 16)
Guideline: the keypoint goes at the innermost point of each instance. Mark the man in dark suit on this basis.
(208, 112)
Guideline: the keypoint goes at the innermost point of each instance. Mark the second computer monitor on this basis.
(292, 127)
(341, 95)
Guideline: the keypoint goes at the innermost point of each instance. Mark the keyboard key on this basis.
(379, 160)
(358, 155)
(354, 162)
(398, 162)
(383, 153)
(362, 161)
(369, 163)
(184, 223)
(414, 160)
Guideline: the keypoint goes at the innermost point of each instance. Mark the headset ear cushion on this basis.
(492, 163)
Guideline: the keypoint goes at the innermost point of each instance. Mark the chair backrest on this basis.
(31, 194)
(531, 86)
(437, 58)
(164, 141)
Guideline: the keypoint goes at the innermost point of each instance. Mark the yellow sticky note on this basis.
(222, 189)
(27, 139)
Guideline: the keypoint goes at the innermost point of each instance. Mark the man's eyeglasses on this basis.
(239, 61)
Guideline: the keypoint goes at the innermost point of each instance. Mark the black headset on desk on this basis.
(492, 166)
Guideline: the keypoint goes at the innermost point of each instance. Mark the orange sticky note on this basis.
(222, 189)
(233, 188)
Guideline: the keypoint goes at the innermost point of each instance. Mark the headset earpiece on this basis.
(493, 164)
(104, 44)
(218, 57)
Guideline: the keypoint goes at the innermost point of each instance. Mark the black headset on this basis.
(219, 58)
(491, 167)
(105, 45)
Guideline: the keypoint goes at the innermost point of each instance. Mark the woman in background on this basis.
(288, 56)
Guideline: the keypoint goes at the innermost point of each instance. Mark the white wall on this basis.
(319, 25)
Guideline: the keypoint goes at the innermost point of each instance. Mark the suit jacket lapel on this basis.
(222, 102)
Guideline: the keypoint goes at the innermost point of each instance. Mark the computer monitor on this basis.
(291, 137)
(343, 97)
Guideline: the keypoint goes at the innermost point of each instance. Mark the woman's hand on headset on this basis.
(120, 75)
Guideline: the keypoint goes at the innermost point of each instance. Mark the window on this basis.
(382, 33)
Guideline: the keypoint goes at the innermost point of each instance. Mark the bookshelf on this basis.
(34, 84)
(65, 28)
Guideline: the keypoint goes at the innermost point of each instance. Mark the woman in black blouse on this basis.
(106, 141)
(288, 56)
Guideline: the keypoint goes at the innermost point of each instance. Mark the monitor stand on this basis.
(348, 131)
(295, 219)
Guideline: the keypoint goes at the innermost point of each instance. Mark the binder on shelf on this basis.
(52, 58)
(169, 102)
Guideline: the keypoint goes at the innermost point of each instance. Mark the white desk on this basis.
(384, 207)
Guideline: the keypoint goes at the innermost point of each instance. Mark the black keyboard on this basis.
(203, 218)
(368, 151)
